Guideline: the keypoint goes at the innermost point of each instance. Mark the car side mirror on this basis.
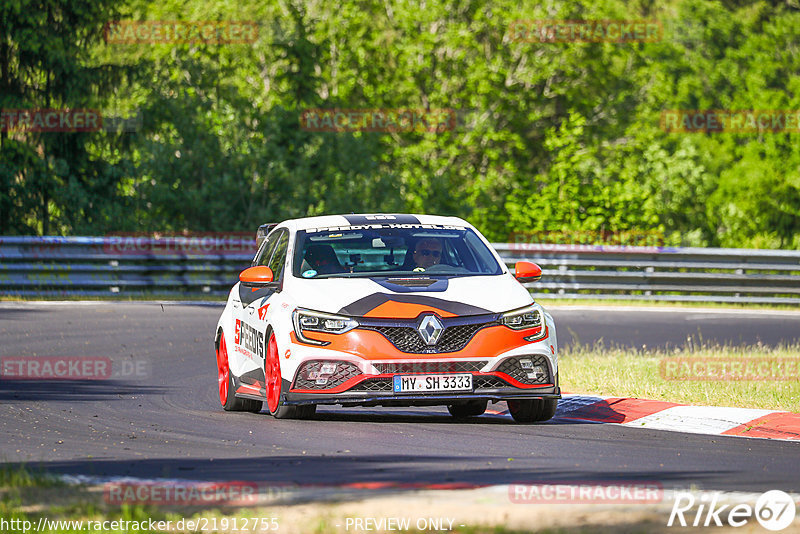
(526, 271)
(256, 276)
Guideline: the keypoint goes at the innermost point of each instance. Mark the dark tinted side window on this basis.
(267, 250)
(278, 259)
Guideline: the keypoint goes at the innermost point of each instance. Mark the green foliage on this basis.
(22, 476)
(51, 182)
(550, 136)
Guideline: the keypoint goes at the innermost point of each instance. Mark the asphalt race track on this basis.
(163, 418)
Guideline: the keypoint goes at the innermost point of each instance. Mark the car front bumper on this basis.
(390, 398)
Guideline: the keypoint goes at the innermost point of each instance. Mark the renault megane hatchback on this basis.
(384, 310)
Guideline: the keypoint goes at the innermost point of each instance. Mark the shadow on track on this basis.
(391, 472)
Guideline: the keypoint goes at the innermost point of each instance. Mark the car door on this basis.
(250, 330)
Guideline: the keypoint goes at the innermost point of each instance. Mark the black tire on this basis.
(306, 411)
(284, 412)
(281, 411)
(532, 410)
(274, 387)
(231, 403)
(235, 404)
(252, 405)
(471, 408)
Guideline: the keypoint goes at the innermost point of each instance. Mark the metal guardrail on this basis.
(66, 266)
(55, 266)
(661, 273)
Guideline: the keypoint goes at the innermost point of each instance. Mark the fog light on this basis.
(321, 381)
(526, 364)
(327, 368)
(536, 373)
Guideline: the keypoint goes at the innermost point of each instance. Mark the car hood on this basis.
(406, 298)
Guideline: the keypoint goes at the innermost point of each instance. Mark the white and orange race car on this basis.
(384, 310)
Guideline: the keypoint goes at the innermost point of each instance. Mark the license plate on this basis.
(411, 383)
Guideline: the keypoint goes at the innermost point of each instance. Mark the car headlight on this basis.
(312, 321)
(524, 319)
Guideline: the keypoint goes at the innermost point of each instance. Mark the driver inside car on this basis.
(322, 259)
(427, 253)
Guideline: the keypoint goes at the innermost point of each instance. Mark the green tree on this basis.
(50, 182)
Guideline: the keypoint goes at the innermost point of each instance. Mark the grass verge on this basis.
(747, 377)
(480, 511)
(26, 495)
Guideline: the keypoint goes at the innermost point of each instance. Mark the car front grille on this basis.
(374, 384)
(344, 372)
(514, 368)
(488, 382)
(430, 367)
(407, 338)
(385, 384)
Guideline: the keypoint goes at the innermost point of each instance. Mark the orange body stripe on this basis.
(404, 310)
(247, 388)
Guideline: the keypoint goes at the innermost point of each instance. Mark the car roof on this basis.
(354, 219)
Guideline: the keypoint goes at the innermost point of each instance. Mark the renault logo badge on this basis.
(430, 330)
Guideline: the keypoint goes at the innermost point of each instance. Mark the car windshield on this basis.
(391, 250)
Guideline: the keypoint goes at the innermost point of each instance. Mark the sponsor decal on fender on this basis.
(249, 338)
